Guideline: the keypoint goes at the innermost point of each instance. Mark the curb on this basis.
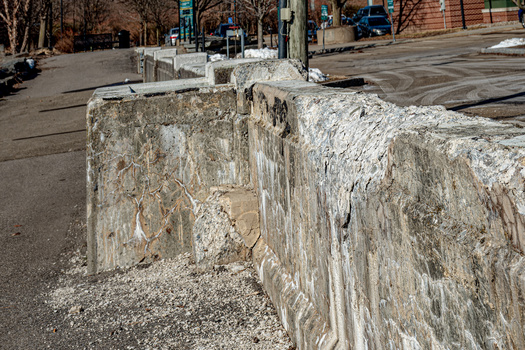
(504, 51)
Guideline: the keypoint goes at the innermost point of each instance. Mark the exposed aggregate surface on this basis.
(165, 305)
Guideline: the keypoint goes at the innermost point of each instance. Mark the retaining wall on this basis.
(381, 226)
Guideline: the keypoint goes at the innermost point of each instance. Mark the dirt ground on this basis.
(46, 299)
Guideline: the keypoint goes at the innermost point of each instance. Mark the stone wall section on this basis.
(151, 162)
(390, 221)
(379, 226)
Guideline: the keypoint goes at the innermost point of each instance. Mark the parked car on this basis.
(374, 26)
(374, 10)
(312, 31)
(224, 27)
(172, 36)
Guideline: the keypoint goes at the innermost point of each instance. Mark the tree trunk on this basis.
(42, 33)
(157, 31)
(336, 12)
(260, 38)
(27, 24)
(145, 33)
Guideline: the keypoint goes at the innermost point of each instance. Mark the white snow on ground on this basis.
(216, 57)
(315, 75)
(260, 53)
(509, 43)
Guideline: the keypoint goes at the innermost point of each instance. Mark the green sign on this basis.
(324, 12)
(186, 18)
(390, 6)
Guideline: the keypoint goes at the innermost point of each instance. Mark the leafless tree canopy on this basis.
(15, 14)
(259, 9)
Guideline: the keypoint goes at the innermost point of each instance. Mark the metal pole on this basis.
(195, 32)
(490, 10)
(242, 42)
(392, 25)
(462, 14)
(180, 26)
(323, 24)
(281, 32)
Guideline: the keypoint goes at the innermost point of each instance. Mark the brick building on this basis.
(421, 15)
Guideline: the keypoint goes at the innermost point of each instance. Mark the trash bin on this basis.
(123, 39)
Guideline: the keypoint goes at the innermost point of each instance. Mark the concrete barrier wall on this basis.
(150, 162)
(387, 227)
(154, 151)
(165, 70)
(381, 226)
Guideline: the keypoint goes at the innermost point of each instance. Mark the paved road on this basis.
(42, 185)
(446, 70)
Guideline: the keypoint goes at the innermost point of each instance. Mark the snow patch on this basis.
(509, 43)
(265, 53)
(315, 75)
(216, 57)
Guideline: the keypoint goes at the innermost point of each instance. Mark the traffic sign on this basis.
(324, 12)
(390, 6)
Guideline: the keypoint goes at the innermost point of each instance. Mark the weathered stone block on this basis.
(244, 76)
(190, 59)
(226, 227)
(337, 35)
(219, 72)
(399, 226)
(152, 159)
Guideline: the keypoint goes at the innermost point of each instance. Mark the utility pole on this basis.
(462, 14)
(281, 32)
(298, 31)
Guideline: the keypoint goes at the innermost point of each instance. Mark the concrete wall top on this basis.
(147, 51)
(190, 59)
(164, 53)
(132, 90)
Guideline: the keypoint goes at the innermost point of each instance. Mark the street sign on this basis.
(390, 6)
(230, 20)
(324, 12)
(186, 16)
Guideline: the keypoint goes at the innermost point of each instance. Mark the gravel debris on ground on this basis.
(168, 304)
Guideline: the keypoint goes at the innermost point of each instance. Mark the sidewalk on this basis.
(315, 49)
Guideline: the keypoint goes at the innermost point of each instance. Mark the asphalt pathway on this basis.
(42, 184)
(447, 70)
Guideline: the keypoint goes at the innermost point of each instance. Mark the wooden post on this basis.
(298, 31)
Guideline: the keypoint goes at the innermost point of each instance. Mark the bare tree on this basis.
(337, 6)
(201, 6)
(92, 14)
(260, 9)
(141, 8)
(160, 12)
(14, 14)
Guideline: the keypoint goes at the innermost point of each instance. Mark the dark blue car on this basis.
(374, 26)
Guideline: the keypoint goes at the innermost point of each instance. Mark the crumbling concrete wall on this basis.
(388, 227)
(380, 226)
(154, 151)
(151, 161)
